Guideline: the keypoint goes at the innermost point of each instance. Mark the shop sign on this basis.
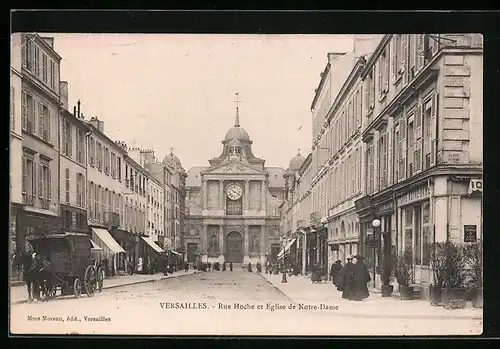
(470, 233)
(414, 195)
(387, 206)
(475, 185)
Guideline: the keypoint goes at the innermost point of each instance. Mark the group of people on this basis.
(352, 278)
(215, 266)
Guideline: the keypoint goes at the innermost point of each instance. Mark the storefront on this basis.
(111, 249)
(127, 241)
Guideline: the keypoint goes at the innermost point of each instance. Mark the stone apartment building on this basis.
(34, 146)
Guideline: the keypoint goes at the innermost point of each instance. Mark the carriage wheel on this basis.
(90, 280)
(100, 279)
(77, 287)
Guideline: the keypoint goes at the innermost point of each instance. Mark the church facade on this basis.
(232, 206)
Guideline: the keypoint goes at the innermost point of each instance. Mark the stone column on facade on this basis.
(203, 240)
(246, 244)
(247, 195)
(263, 195)
(221, 243)
(205, 194)
(221, 194)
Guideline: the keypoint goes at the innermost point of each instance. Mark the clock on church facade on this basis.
(234, 204)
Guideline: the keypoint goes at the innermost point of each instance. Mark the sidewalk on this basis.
(19, 294)
(300, 289)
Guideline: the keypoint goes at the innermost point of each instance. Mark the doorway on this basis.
(234, 247)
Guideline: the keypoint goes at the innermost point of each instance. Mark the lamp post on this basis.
(283, 269)
(376, 225)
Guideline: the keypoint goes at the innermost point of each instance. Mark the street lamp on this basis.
(375, 224)
(283, 269)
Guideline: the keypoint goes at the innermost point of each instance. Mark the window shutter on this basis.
(394, 61)
(23, 51)
(402, 149)
(70, 140)
(40, 120)
(33, 115)
(24, 110)
(40, 181)
(404, 58)
(387, 68)
(49, 184)
(433, 126)
(417, 160)
(47, 125)
(33, 178)
(24, 174)
(420, 51)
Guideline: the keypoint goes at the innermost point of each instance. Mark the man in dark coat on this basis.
(209, 266)
(334, 271)
(231, 266)
(345, 279)
(361, 277)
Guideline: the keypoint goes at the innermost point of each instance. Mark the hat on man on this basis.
(359, 257)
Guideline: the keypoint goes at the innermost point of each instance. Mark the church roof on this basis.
(296, 162)
(237, 132)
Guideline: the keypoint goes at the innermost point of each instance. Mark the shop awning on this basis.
(152, 244)
(104, 240)
(95, 246)
(286, 249)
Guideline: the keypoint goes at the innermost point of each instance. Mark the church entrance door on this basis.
(234, 248)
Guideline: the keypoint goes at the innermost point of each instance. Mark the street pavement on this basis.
(218, 303)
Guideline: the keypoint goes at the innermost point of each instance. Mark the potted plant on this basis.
(388, 275)
(438, 272)
(404, 274)
(453, 292)
(473, 255)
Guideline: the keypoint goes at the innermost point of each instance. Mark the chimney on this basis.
(63, 90)
(94, 122)
(74, 111)
(101, 125)
(78, 115)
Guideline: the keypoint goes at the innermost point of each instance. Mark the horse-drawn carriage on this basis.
(67, 265)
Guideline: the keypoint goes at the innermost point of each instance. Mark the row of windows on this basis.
(37, 62)
(67, 142)
(414, 135)
(30, 109)
(80, 188)
(103, 159)
(135, 181)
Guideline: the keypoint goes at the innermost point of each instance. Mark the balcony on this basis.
(111, 219)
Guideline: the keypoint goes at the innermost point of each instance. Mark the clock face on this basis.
(234, 191)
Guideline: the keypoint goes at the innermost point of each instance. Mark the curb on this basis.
(126, 284)
(384, 316)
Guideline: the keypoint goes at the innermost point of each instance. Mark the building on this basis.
(334, 173)
(233, 205)
(106, 194)
(38, 127)
(156, 196)
(177, 204)
(422, 146)
(16, 142)
(73, 166)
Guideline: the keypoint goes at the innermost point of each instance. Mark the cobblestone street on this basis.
(204, 304)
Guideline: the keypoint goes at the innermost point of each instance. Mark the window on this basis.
(90, 191)
(80, 190)
(29, 53)
(52, 80)
(97, 190)
(119, 168)
(370, 91)
(99, 156)
(67, 186)
(28, 112)
(13, 107)
(408, 225)
(426, 234)
(44, 186)
(44, 68)
(417, 154)
(67, 136)
(382, 161)
(103, 204)
(106, 161)
(411, 144)
(36, 61)
(28, 180)
(113, 165)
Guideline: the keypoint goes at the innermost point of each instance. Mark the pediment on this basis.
(234, 167)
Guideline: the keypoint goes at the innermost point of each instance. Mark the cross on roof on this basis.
(237, 101)
(171, 150)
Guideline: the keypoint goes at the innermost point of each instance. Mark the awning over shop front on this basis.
(152, 244)
(286, 250)
(104, 240)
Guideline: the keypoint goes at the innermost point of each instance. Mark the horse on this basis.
(31, 266)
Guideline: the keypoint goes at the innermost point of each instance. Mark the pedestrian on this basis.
(259, 268)
(315, 273)
(249, 268)
(345, 280)
(186, 266)
(224, 266)
(209, 266)
(231, 266)
(334, 271)
(361, 277)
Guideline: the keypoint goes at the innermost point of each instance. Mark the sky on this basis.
(178, 91)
